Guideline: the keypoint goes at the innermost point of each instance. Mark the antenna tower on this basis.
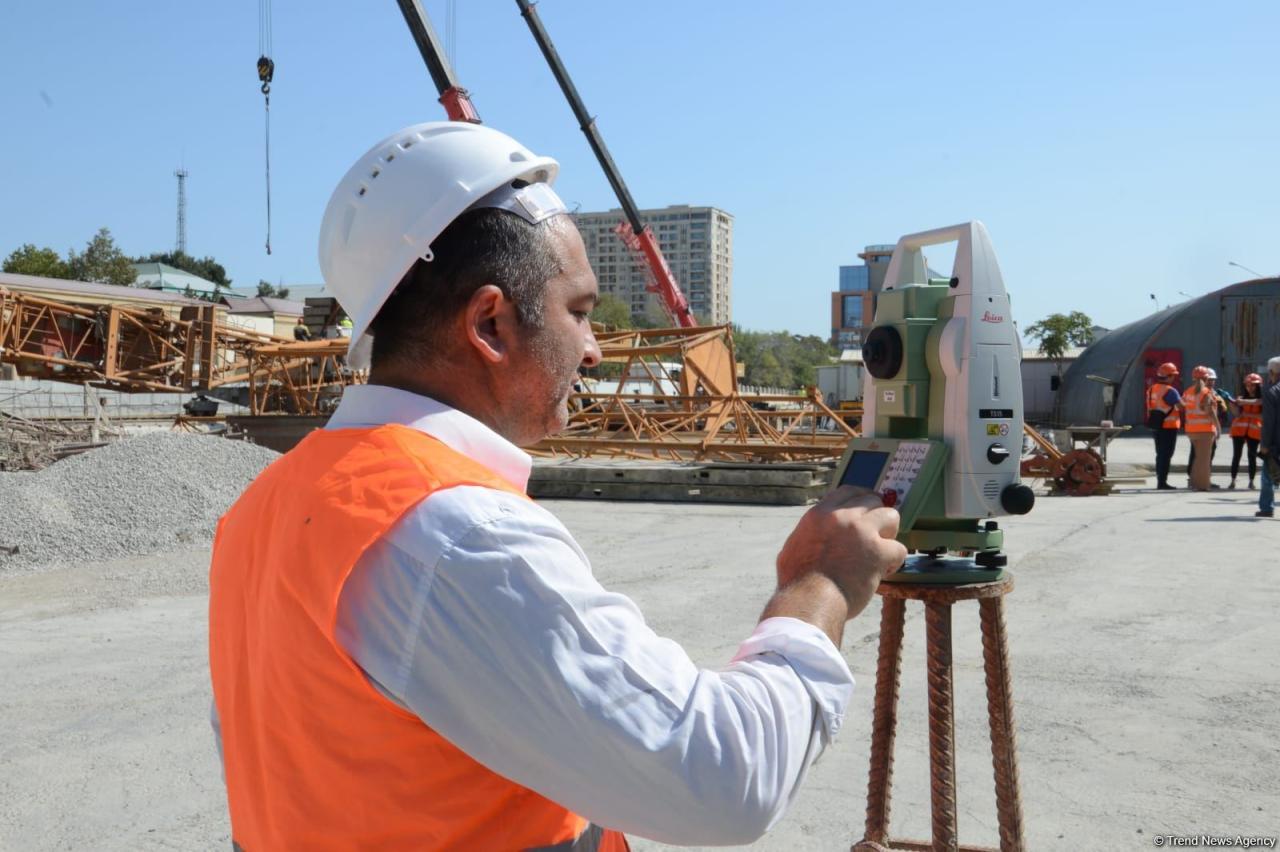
(181, 175)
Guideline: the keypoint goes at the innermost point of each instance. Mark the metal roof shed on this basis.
(90, 293)
(1233, 330)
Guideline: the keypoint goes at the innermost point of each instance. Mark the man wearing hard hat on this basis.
(1164, 406)
(406, 651)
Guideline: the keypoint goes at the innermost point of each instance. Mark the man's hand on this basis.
(835, 558)
(849, 537)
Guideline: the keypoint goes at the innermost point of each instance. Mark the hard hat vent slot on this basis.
(406, 145)
(375, 173)
(348, 219)
(362, 191)
(390, 157)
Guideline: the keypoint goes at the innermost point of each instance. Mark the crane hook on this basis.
(266, 70)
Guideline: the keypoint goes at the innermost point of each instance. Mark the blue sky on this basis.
(1113, 150)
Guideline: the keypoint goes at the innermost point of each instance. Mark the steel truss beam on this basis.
(676, 397)
(299, 378)
(133, 350)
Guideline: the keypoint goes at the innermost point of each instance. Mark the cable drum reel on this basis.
(1078, 472)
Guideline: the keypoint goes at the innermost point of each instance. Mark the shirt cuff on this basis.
(815, 660)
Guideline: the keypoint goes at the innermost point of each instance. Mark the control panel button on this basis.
(889, 497)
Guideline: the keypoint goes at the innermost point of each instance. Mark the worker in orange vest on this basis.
(407, 653)
(1246, 428)
(1201, 413)
(1221, 400)
(1220, 407)
(1164, 406)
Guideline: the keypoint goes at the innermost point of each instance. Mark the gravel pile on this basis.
(137, 496)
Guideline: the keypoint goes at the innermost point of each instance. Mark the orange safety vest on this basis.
(1248, 423)
(1201, 416)
(1155, 402)
(314, 756)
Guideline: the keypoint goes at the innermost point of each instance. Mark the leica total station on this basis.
(942, 409)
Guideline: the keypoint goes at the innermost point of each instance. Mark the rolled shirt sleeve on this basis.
(480, 614)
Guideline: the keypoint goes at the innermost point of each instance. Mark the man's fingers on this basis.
(854, 497)
(873, 513)
(885, 520)
(893, 554)
(861, 507)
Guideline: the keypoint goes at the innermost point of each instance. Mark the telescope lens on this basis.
(882, 352)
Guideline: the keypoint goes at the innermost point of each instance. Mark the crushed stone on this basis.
(141, 495)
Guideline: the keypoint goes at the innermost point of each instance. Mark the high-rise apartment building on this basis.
(697, 243)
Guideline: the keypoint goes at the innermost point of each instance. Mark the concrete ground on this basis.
(1143, 633)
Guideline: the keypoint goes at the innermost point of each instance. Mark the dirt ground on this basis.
(1143, 634)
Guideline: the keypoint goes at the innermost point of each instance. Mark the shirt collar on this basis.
(367, 406)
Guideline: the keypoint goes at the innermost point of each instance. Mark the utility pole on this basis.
(181, 175)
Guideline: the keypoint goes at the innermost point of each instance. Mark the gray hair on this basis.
(1273, 366)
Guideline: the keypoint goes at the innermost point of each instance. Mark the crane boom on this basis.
(456, 100)
(638, 236)
(634, 233)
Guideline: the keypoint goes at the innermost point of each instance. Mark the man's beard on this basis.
(551, 360)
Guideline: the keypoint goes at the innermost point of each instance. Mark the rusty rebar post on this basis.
(884, 723)
(1004, 752)
(938, 601)
(942, 753)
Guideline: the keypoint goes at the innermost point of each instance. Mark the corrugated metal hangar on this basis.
(1233, 330)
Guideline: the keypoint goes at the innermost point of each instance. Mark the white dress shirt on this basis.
(479, 613)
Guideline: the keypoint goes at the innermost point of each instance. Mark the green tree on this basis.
(612, 312)
(651, 319)
(102, 261)
(805, 353)
(780, 358)
(1057, 332)
(266, 288)
(769, 371)
(204, 267)
(203, 295)
(30, 260)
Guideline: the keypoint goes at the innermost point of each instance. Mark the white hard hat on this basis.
(399, 197)
(1210, 374)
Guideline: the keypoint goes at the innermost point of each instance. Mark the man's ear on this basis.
(491, 324)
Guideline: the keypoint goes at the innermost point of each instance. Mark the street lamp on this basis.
(1245, 268)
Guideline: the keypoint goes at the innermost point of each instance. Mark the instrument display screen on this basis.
(864, 468)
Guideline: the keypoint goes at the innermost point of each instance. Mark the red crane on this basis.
(633, 232)
(456, 100)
